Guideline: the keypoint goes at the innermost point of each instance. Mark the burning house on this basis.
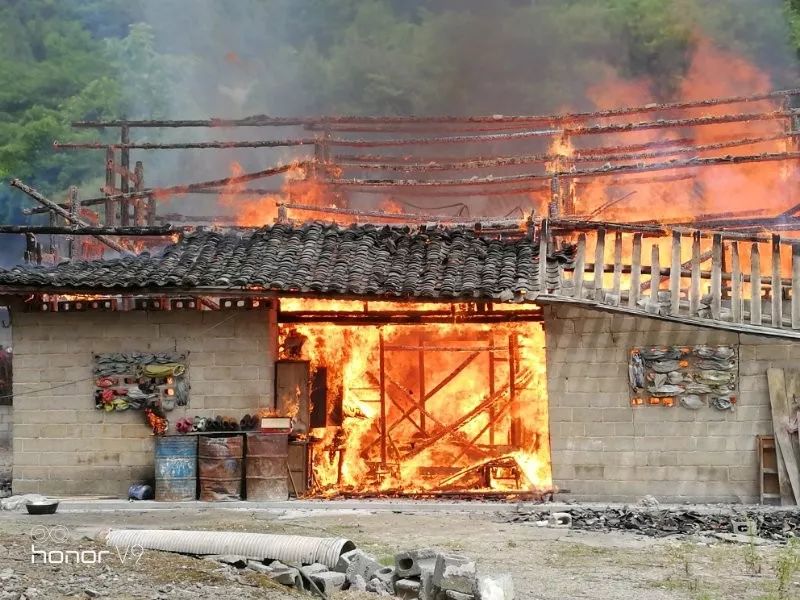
(556, 342)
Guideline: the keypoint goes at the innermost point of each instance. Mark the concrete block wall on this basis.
(64, 446)
(6, 424)
(604, 449)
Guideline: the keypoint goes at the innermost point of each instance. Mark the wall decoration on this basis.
(140, 381)
(694, 377)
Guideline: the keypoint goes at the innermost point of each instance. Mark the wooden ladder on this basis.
(768, 484)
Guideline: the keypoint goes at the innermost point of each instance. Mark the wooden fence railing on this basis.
(745, 282)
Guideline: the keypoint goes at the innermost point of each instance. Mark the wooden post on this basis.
(125, 165)
(580, 262)
(492, 409)
(617, 280)
(599, 263)
(655, 279)
(716, 276)
(421, 367)
(138, 203)
(636, 271)
(512, 390)
(544, 234)
(755, 285)
(777, 288)
(796, 286)
(675, 274)
(382, 369)
(111, 179)
(73, 211)
(694, 290)
(736, 283)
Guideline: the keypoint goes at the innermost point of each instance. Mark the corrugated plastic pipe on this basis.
(257, 546)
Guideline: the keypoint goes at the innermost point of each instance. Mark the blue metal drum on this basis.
(176, 468)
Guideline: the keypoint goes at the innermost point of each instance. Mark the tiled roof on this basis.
(317, 258)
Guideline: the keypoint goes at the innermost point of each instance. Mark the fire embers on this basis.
(430, 409)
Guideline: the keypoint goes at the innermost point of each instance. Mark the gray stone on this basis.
(345, 560)
(328, 581)
(378, 586)
(409, 564)
(287, 576)
(315, 568)
(235, 560)
(457, 573)
(358, 583)
(453, 595)
(407, 589)
(6, 574)
(496, 587)
(387, 576)
(361, 564)
(259, 567)
(427, 591)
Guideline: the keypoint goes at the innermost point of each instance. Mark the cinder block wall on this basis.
(64, 446)
(6, 424)
(603, 449)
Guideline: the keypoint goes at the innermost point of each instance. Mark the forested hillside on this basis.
(62, 60)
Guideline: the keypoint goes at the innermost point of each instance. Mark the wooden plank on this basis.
(755, 285)
(110, 188)
(655, 279)
(675, 274)
(636, 270)
(777, 289)
(599, 261)
(792, 378)
(580, 261)
(736, 283)
(617, 280)
(795, 286)
(787, 461)
(544, 234)
(716, 277)
(694, 289)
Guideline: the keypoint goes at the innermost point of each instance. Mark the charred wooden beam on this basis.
(89, 230)
(411, 318)
(183, 145)
(605, 171)
(264, 120)
(587, 155)
(66, 214)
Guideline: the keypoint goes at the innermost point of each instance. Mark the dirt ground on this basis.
(546, 564)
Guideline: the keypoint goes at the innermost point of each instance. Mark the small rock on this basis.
(453, 595)
(328, 581)
(259, 567)
(648, 501)
(91, 593)
(378, 586)
(358, 583)
(497, 587)
(361, 564)
(315, 568)
(287, 576)
(6, 574)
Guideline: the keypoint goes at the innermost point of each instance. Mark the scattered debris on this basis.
(417, 574)
(771, 524)
(20, 502)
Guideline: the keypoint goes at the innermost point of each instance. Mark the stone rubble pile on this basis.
(422, 574)
(774, 524)
(5, 487)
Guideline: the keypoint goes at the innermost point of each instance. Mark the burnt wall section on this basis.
(64, 446)
(604, 449)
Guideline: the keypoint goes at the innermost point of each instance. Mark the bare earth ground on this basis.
(546, 564)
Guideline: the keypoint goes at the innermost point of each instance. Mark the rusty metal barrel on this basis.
(176, 468)
(220, 463)
(266, 467)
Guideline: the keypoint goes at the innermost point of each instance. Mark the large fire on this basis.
(463, 407)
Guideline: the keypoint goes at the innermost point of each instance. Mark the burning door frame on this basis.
(393, 423)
